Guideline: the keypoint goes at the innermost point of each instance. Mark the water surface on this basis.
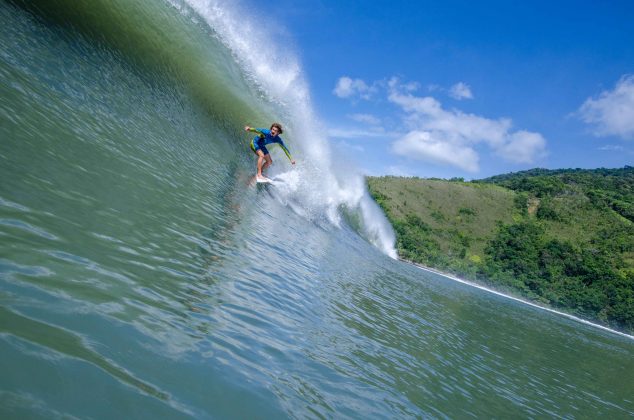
(141, 276)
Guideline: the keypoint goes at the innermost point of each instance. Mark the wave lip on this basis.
(321, 187)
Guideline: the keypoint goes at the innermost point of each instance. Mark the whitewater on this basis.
(142, 276)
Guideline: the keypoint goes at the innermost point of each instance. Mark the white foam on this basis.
(276, 72)
(495, 292)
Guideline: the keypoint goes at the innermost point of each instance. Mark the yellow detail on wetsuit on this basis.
(264, 137)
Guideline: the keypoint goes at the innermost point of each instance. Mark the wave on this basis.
(136, 263)
(240, 75)
(276, 75)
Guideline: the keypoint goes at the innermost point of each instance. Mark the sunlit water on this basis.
(142, 276)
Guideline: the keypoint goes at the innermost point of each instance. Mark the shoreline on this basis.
(535, 305)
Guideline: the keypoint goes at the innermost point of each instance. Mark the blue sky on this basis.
(467, 89)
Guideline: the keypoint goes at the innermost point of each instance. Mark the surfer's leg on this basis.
(260, 161)
(267, 161)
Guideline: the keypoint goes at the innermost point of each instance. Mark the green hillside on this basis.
(564, 238)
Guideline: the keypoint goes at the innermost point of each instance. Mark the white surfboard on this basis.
(263, 180)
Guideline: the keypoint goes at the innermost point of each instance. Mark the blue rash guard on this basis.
(263, 138)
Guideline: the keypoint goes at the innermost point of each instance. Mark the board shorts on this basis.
(259, 146)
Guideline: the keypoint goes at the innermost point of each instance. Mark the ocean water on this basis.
(143, 276)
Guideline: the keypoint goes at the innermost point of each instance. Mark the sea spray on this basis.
(276, 73)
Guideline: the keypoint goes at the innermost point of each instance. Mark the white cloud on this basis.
(347, 87)
(431, 133)
(523, 147)
(355, 133)
(450, 136)
(434, 87)
(612, 113)
(421, 145)
(427, 113)
(612, 148)
(352, 147)
(460, 91)
(365, 118)
(410, 87)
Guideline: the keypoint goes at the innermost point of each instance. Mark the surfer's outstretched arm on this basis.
(253, 130)
(288, 154)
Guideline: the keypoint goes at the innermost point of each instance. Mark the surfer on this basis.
(258, 145)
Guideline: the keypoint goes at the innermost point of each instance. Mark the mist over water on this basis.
(142, 276)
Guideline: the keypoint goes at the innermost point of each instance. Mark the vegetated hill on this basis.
(564, 238)
(611, 188)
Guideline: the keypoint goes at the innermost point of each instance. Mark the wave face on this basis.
(141, 274)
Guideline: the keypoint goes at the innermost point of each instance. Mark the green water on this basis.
(142, 277)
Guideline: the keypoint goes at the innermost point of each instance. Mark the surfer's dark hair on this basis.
(279, 127)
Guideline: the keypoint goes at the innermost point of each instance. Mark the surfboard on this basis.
(263, 180)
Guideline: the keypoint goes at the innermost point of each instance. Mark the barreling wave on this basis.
(141, 276)
(277, 76)
(239, 75)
